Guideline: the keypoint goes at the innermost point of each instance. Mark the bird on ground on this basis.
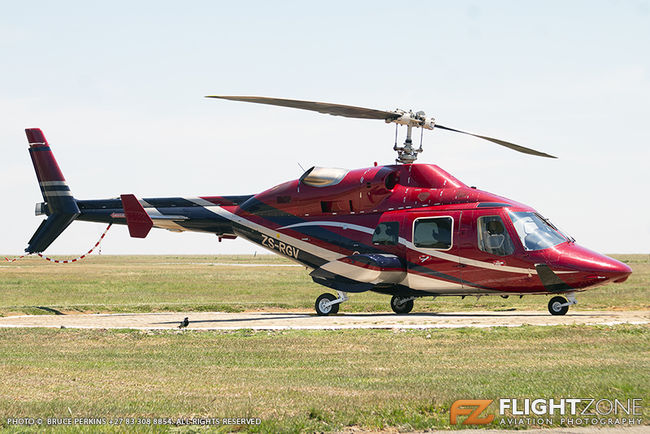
(184, 323)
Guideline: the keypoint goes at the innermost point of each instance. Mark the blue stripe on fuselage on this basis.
(282, 218)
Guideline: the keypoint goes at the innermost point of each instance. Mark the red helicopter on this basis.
(406, 230)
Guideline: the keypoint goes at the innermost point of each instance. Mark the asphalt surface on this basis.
(309, 320)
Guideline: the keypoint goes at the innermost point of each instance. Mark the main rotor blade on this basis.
(363, 113)
(320, 107)
(500, 142)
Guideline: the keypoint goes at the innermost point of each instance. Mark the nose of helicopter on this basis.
(590, 268)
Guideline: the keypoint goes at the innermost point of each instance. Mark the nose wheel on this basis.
(560, 305)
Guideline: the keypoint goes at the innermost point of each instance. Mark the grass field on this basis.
(195, 283)
(295, 380)
(313, 380)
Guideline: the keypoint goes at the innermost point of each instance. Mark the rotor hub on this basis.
(407, 154)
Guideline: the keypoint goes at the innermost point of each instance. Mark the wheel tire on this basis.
(555, 308)
(399, 306)
(321, 309)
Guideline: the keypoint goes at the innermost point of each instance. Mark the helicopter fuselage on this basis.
(407, 230)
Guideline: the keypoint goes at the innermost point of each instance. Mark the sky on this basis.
(118, 89)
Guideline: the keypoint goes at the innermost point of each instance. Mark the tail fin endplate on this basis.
(137, 219)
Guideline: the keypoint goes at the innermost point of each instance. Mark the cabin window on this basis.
(433, 233)
(386, 234)
(493, 237)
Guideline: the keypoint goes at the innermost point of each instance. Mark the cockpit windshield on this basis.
(535, 232)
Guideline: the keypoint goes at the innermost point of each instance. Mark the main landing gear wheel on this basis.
(324, 306)
(401, 305)
(558, 306)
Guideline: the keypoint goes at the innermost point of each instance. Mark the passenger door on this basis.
(387, 233)
(432, 253)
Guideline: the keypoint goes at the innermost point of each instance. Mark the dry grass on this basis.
(313, 380)
(194, 283)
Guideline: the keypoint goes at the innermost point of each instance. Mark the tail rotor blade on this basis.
(509, 145)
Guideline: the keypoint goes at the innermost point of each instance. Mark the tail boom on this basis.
(140, 215)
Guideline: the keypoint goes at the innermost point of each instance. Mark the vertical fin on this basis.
(62, 208)
(53, 185)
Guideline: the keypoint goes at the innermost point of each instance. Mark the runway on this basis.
(310, 321)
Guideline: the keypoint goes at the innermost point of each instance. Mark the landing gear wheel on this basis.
(321, 304)
(555, 306)
(400, 306)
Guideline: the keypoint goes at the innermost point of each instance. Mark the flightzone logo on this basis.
(540, 412)
(472, 408)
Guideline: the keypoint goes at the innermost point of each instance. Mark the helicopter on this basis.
(406, 230)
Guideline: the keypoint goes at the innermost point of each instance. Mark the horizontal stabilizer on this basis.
(137, 219)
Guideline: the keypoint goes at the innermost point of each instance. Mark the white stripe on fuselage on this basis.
(415, 281)
(159, 219)
(466, 261)
(199, 201)
(435, 253)
(333, 224)
(318, 251)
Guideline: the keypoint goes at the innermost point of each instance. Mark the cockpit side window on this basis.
(493, 237)
(386, 233)
(433, 233)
